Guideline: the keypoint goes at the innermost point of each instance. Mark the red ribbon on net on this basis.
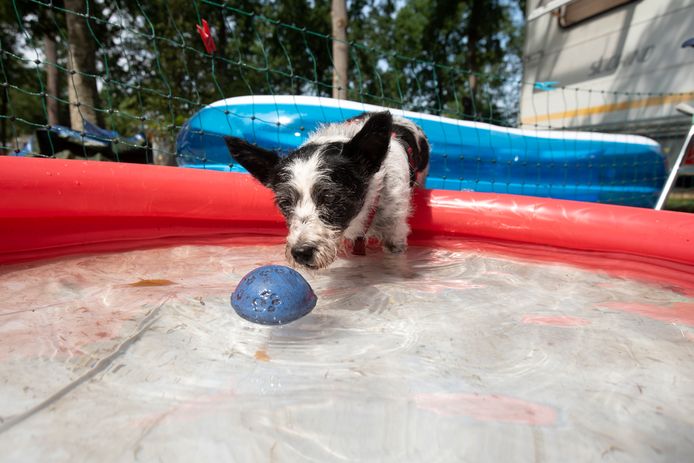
(206, 37)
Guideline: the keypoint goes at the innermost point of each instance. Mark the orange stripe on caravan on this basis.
(607, 108)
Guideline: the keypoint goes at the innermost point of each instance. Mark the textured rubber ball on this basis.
(273, 295)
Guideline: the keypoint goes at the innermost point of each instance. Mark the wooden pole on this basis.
(82, 91)
(340, 48)
(52, 90)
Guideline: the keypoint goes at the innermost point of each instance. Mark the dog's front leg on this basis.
(390, 223)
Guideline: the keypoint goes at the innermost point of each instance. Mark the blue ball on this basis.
(273, 295)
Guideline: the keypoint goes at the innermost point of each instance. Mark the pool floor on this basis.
(436, 356)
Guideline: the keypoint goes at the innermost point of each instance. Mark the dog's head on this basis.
(321, 186)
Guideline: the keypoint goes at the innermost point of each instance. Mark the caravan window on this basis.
(580, 10)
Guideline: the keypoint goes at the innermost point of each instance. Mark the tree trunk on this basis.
(51, 79)
(340, 48)
(82, 92)
(473, 37)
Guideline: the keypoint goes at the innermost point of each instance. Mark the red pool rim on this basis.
(51, 208)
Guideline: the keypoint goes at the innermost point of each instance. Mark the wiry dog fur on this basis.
(345, 178)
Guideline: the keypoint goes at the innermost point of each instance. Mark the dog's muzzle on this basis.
(312, 256)
(311, 244)
(304, 255)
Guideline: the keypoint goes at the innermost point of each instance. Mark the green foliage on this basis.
(459, 58)
(19, 100)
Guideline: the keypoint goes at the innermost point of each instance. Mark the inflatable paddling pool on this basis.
(510, 317)
(465, 156)
(53, 207)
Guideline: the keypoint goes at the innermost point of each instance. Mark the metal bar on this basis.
(551, 6)
(675, 169)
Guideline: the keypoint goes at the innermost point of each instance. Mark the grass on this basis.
(681, 200)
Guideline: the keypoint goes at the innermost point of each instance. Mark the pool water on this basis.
(438, 355)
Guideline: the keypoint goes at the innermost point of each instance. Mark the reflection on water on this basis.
(433, 356)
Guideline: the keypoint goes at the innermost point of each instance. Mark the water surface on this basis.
(440, 355)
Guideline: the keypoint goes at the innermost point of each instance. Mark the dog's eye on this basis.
(326, 197)
(284, 203)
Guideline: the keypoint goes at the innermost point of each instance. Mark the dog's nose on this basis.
(303, 254)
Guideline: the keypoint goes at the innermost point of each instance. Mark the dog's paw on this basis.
(395, 248)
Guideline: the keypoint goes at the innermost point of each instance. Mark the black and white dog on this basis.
(350, 181)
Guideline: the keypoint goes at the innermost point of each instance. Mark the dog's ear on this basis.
(259, 162)
(369, 147)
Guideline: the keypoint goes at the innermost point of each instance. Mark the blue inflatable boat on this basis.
(472, 156)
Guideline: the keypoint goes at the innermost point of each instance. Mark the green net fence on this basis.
(151, 70)
(125, 75)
